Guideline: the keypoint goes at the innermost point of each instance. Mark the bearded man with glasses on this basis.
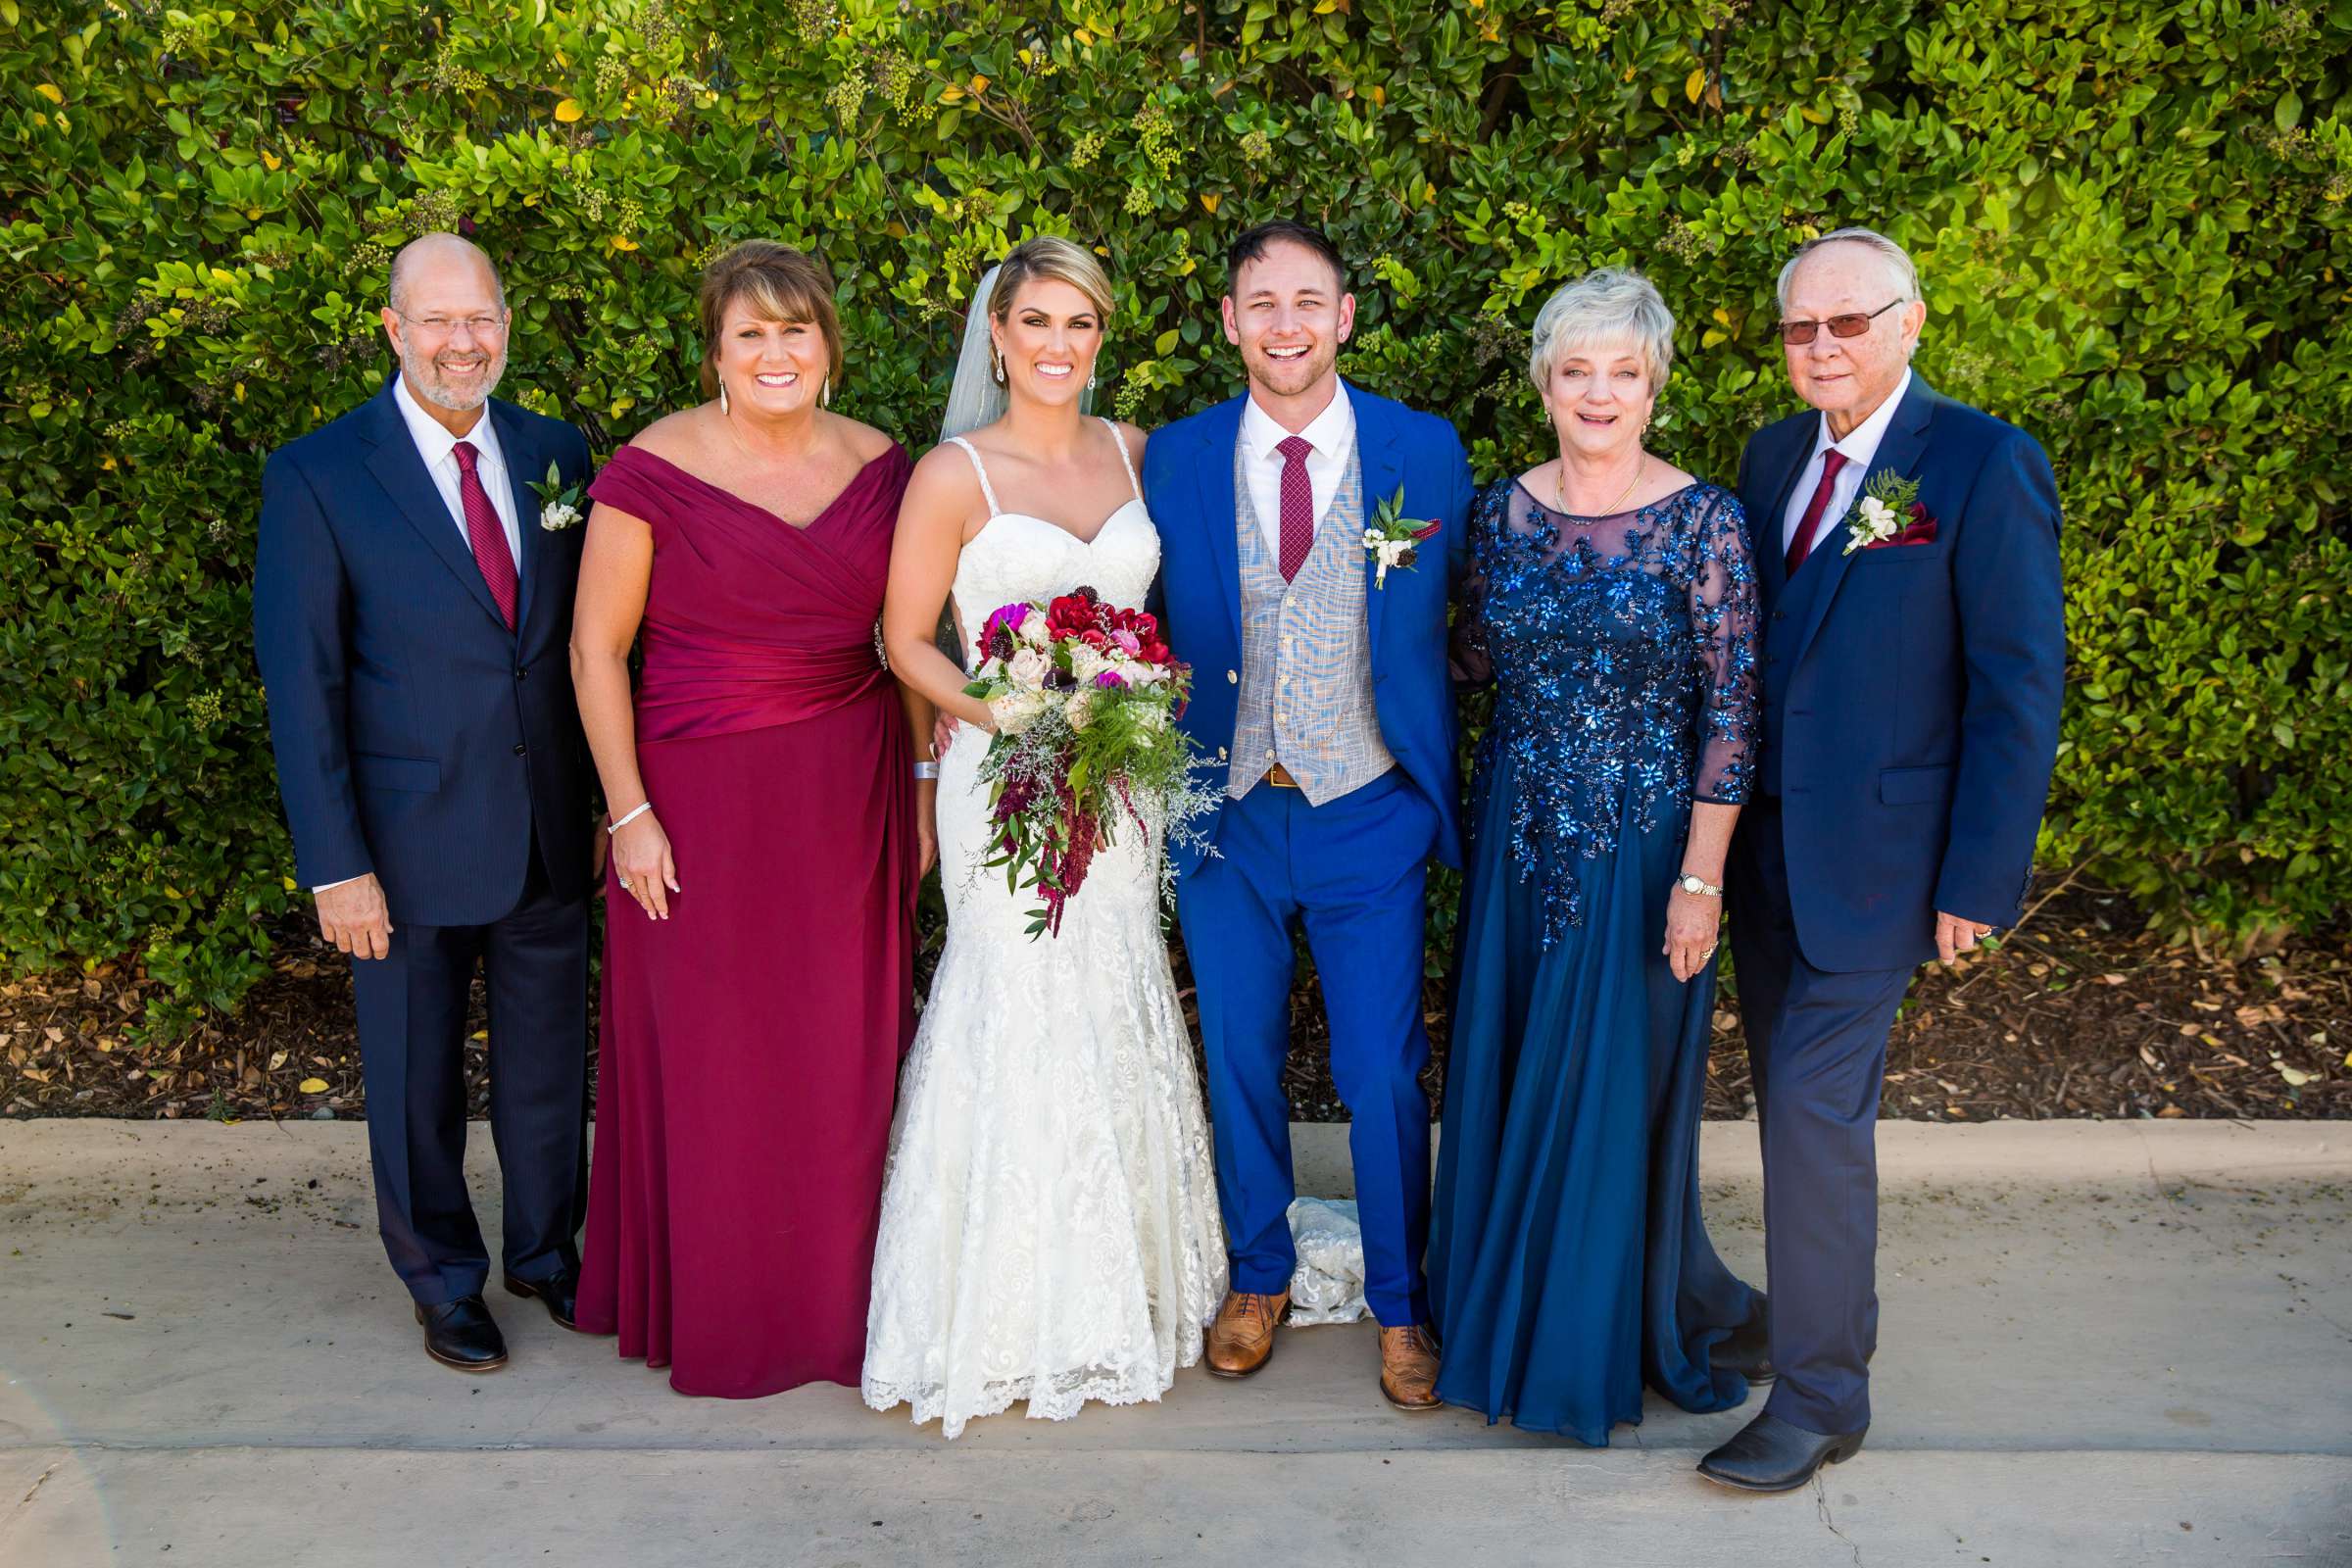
(1914, 650)
(411, 617)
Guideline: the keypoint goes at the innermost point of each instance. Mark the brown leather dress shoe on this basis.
(1242, 1339)
(1408, 1368)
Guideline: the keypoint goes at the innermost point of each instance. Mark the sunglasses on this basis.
(1797, 333)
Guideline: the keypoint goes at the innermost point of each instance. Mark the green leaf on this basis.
(2288, 114)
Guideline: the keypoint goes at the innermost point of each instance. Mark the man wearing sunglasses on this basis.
(1914, 650)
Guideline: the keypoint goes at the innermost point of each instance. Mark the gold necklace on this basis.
(1559, 487)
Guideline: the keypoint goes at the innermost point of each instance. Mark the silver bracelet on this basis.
(926, 769)
(619, 822)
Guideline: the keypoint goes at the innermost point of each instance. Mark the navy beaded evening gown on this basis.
(1568, 1260)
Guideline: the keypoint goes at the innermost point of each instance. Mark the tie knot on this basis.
(464, 451)
(1295, 448)
(1832, 460)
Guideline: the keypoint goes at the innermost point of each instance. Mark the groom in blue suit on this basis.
(1913, 659)
(411, 617)
(1322, 714)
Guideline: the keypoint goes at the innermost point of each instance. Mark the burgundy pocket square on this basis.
(1919, 530)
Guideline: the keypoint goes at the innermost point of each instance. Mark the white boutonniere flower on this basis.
(559, 504)
(1393, 539)
(1883, 512)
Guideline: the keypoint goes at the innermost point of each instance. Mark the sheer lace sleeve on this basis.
(1469, 656)
(1724, 627)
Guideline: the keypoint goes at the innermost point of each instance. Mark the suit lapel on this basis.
(1220, 435)
(1382, 471)
(523, 469)
(399, 468)
(1899, 452)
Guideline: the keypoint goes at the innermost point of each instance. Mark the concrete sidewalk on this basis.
(2101, 1342)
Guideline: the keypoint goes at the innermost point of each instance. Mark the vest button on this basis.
(518, 748)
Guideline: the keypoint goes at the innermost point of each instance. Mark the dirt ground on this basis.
(2078, 1013)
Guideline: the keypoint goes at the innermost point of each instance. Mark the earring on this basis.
(995, 364)
(824, 390)
(722, 399)
(1093, 378)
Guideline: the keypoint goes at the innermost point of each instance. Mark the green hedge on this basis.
(2131, 219)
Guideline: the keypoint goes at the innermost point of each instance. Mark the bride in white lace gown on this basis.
(1050, 1229)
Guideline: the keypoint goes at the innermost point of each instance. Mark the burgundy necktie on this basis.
(1297, 504)
(1832, 460)
(486, 533)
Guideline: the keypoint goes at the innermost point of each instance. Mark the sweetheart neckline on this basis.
(1086, 543)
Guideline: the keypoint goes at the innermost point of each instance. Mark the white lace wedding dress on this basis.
(1049, 1228)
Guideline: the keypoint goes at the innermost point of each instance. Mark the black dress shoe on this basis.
(462, 1334)
(1770, 1455)
(1749, 1350)
(559, 1290)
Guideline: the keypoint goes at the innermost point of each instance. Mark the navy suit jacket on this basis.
(417, 737)
(1188, 484)
(1911, 692)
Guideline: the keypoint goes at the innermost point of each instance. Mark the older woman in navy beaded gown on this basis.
(1614, 605)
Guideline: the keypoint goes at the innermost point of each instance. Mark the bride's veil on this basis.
(975, 398)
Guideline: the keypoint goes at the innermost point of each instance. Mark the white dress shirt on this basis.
(1332, 434)
(1859, 447)
(438, 448)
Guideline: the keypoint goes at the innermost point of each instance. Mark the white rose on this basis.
(1028, 668)
(1016, 711)
(1033, 629)
(1087, 662)
(1079, 710)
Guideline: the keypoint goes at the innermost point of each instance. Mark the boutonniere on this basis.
(559, 503)
(1889, 512)
(1391, 538)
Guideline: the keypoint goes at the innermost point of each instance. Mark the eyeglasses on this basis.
(1799, 334)
(448, 325)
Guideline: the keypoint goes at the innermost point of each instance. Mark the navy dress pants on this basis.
(412, 1014)
(1817, 1052)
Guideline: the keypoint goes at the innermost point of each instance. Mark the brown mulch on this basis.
(2079, 1014)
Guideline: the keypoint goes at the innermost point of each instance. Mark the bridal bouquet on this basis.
(1085, 697)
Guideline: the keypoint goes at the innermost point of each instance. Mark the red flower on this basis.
(1073, 615)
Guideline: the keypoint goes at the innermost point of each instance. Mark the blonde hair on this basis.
(779, 284)
(1605, 304)
(1049, 257)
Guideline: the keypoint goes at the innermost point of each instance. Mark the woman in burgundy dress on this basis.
(766, 836)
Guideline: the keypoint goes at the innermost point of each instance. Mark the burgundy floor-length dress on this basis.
(751, 1042)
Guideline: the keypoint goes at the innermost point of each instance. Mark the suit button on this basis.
(518, 748)
(1779, 614)
(1233, 677)
(1220, 754)
(522, 672)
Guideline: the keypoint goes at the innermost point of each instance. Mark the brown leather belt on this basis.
(1276, 776)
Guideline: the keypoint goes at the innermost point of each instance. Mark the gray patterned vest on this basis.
(1306, 655)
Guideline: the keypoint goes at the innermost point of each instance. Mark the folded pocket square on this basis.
(1919, 530)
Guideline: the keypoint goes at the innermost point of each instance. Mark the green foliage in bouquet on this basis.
(2130, 222)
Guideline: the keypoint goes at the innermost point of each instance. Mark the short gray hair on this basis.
(1899, 270)
(1610, 301)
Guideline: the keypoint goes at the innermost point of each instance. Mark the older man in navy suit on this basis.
(412, 609)
(1915, 644)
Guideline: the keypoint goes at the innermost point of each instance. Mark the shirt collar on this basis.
(1861, 443)
(434, 440)
(1329, 432)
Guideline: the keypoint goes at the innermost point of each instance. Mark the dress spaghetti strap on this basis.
(1125, 461)
(987, 491)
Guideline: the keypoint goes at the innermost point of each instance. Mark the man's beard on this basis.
(426, 380)
(1289, 379)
